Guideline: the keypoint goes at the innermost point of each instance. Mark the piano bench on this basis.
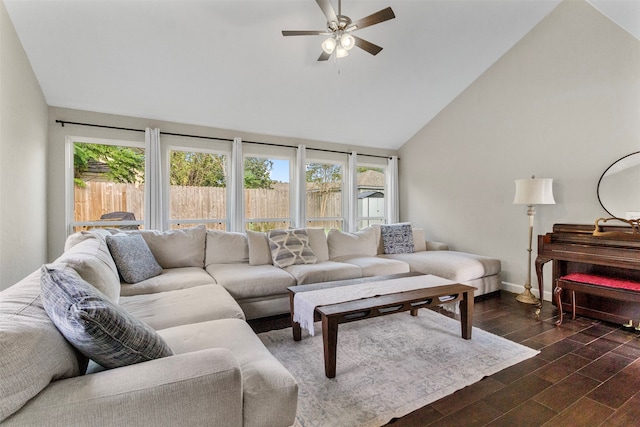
(607, 287)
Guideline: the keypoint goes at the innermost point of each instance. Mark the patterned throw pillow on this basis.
(289, 247)
(99, 329)
(397, 238)
(133, 257)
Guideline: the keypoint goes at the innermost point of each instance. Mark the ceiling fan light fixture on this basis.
(339, 28)
(329, 45)
(347, 41)
(341, 52)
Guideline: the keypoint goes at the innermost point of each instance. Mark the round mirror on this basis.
(619, 187)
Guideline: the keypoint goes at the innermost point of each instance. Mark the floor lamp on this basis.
(530, 192)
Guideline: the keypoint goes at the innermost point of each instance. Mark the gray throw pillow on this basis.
(397, 238)
(99, 329)
(289, 247)
(133, 257)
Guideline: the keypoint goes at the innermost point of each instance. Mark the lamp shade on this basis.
(534, 191)
(329, 45)
(341, 52)
(347, 41)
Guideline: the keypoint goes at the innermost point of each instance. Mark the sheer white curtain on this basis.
(301, 186)
(154, 213)
(392, 205)
(352, 192)
(236, 178)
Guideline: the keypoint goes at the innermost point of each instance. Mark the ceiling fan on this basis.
(340, 28)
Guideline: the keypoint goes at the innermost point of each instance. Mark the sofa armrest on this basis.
(191, 389)
(437, 246)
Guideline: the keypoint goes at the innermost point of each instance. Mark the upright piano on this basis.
(613, 253)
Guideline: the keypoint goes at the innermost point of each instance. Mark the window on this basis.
(324, 191)
(105, 184)
(371, 194)
(197, 189)
(267, 189)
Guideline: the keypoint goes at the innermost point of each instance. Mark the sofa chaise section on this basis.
(269, 391)
(475, 270)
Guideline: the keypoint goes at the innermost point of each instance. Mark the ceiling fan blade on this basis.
(373, 49)
(303, 33)
(375, 18)
(327, 9)
(324, 56)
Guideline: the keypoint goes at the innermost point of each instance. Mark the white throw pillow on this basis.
(176, 248)
(362, 243)
(226, 247)
(419, 242)
(318, 243)
(259, 252)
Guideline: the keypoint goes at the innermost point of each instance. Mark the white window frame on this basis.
(313, 156)
(69, 183)
(194, 147)
(297, 198)
(276, 153)
(372, 162)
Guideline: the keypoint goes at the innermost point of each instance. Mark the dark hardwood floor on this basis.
(587, 373)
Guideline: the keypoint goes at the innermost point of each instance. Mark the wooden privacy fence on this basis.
(99, 198)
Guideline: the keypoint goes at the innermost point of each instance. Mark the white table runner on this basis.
(305, 303)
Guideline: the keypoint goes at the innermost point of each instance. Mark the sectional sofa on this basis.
(208, 284)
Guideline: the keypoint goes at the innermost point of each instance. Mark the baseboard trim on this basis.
(518, 289)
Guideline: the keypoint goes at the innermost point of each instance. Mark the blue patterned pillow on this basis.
(99, 329)
(397, 239)
(133, 257)
(289, 247)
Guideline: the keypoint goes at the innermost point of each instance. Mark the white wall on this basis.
(23, 151)
(564, 103)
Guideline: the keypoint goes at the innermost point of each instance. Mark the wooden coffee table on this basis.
(350, 311)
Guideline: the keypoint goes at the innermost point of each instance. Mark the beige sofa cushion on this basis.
(376, 266)
(183, 306)
(359, 243)
(91, 259)
(270, 393)
(318, 243)
(170, 279)
(458, 266)
(326, 271)
(80, 236)
(419, 242)
(33, 352)
(259, 252)
(249, 281)
(225, 247)
(176, 248)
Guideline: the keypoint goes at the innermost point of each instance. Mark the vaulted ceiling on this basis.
(225, 64)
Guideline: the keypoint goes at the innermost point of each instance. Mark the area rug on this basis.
(388, 366)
